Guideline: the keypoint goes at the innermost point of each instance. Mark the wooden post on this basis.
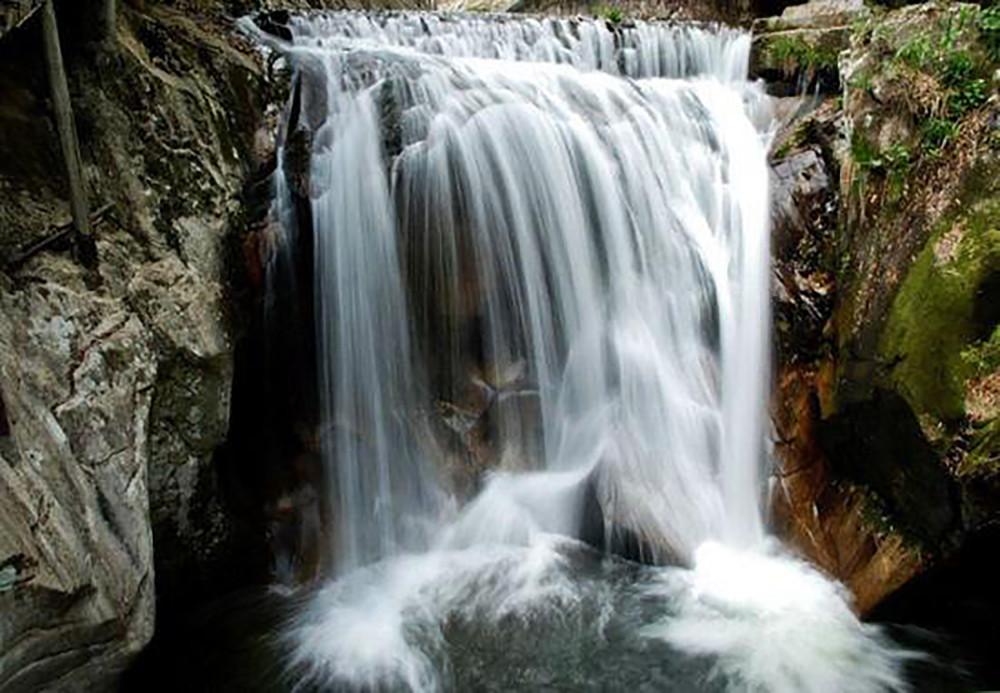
(86, 249)
(107, 28)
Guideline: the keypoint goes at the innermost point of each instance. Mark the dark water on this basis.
(237, 643)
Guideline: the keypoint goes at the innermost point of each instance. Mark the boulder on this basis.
(799, 51)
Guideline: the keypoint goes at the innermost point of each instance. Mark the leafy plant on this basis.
(897, 158)
(936, 133)
(918, 52)
(801, 53)
(895, 161)
(989, 30)
(971, 95)
(612, 13)
(864, 153)
(983, 357)
(960, 70)
(957, 67)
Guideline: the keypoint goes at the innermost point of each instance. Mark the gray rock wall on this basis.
(116, 391)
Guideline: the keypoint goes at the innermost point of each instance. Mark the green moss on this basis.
(931, 322)
(983, 357)
(797, 53)
(983, 458)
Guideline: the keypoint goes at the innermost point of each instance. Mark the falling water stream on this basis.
(587, 207)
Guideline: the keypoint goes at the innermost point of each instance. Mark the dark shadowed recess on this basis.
(232, 644)
(866, 441)
(951, 611)
(222, 630)
(4, 424)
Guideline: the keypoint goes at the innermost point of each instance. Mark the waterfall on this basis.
(572, 217)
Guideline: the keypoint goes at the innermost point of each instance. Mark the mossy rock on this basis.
(946, 303)
(791, 60)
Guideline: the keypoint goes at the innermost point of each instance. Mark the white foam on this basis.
(381, 625)
(774, 623)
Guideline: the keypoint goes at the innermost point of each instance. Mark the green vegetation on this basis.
(781, 152)
(940, 75)
(983, 357)
(989, 30)
(895, 159)
(803, 133)
(959, 67)
(931, 332)
(864, 153)
(795, 52)
(984, 457)
(918, 52)
(936, 133)
(861, 80)
(614, 14)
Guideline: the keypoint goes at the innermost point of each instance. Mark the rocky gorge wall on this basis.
(116, 384)
(132, 468)
(886, 247)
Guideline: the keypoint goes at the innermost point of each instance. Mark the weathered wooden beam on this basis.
(63, 108)
(60, 233)
(14, 13)
(107, 27)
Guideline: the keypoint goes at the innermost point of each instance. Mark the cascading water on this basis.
(590, 204)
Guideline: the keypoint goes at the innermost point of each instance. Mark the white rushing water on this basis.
(597, 201)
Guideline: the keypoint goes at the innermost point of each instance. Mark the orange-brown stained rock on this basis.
(828, 521)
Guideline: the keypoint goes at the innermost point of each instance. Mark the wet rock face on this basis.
(803, 201)
(189, 416)
(839, 525)
(887, 414)
(816, 507)
(116, 394)
(879, 442)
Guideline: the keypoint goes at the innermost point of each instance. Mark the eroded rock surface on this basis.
(886, 407)
(116, 389)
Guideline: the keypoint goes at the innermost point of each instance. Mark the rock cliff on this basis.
(886, 403)
(115, 387)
